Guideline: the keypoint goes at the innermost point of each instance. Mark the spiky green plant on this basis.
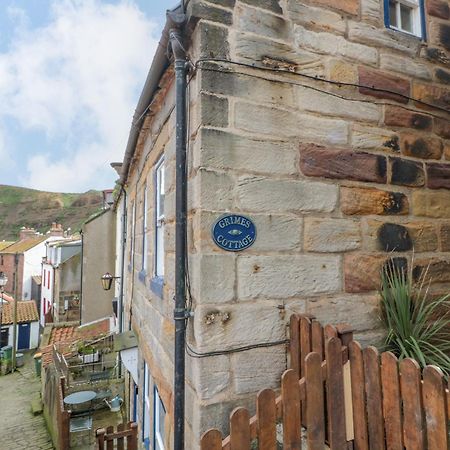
(417, 326)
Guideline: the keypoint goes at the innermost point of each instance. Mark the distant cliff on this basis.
(30, 208)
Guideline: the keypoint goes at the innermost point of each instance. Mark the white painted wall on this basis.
(31, 266)
(46, 292)
(34, 334)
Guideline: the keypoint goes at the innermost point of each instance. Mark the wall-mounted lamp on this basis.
(107, 280)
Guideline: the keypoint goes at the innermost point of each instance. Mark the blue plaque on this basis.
(233, 232)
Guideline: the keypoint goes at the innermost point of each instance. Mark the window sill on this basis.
(406, 35)
(156, 286)
(142, 276)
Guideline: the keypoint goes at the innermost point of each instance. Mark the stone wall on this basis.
(336, 174)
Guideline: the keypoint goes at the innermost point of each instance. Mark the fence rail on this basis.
(124, 438)
(344, 397)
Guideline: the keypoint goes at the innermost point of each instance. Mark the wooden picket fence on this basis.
(124, 438)
(337, 395)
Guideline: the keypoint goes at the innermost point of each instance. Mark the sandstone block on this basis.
(404, 66)
(278, 196)
(436, 55)
(433, 95)
(214, 111)
(213, 41)
(347, 6)
(239, 152)
(373, 138)
(371, 12)
(443, 76)
(331, 235)
(251, 48)
(231, 326)
(438, 175)
(285, 277)
(271, 121)
(383, 85)
(316, 161)
(276, 232)
(362, 201)
(401, 117)
(406, 173)
(362, 272)
(444, 35)
(442, 127)
(259, 22)
(382, 37)
(211, 379)
(239, 85)
(213, 278)
(258, 369)
(360, 311)
(444, 233)
(225, 3)
(271, 5)
(207, 11)
(401, 237)
(311, 100)
(278, 122)
(431, 204)
(437, 270)
(419, 146)
(215, 190)
(339, 70)
(320, 18)
(330, 44)
(319, 129)
(438, 8)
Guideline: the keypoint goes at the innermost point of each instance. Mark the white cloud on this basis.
(77, 79)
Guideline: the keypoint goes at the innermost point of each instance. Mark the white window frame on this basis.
(144, 229)
(132, 231)
(414, 5)
(146, 404)
(159, 432)
(159, 217)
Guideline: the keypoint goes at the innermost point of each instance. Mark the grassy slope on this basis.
(27, 207)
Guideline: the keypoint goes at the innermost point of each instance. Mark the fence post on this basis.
(100, 434)
(345, 333)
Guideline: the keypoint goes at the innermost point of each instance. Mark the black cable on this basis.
(315, 78)
(194, 354)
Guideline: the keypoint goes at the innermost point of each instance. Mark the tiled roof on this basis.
(26, 312)
(63, 337)
(5, 244)
(24, 245)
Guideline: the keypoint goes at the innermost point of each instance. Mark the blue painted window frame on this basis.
(387, 20)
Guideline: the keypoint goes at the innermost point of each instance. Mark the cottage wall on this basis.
(337, 173)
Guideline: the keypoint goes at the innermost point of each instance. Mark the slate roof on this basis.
(26, 312)
(24, 245)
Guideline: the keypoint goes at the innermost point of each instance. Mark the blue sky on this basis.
(71, 72)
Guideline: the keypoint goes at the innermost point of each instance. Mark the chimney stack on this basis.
(27, 233)
(56, 230)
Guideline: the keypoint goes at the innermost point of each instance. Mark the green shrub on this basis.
(418, 326)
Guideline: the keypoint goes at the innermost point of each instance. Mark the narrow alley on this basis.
(21, 429)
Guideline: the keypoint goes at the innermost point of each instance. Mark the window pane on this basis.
(393, 14)
(406, 14)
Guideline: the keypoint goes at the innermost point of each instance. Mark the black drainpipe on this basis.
(180, 236)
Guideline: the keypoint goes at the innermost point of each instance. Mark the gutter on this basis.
(175, 18)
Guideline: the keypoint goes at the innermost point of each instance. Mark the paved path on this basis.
(19, 429)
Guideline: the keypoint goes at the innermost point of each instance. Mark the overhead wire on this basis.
(198, 65)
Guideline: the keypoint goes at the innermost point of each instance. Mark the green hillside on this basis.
(30, 208)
